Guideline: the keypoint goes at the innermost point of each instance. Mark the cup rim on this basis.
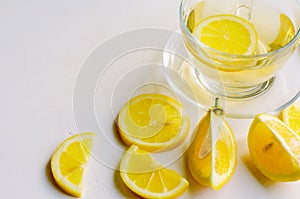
(274, 52)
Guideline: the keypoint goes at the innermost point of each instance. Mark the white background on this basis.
(42, 47)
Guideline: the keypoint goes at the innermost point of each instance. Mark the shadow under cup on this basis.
(240, 76)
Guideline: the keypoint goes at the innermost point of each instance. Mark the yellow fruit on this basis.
(148, 178)
(153, 122)
(212, 154)
(227, 33)
(274, 148)
(291, 116)
(69, 160)
(286, 33)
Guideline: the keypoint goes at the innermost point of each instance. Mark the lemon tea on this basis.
(268, 30)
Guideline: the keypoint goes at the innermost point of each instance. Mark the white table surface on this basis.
(42, 47)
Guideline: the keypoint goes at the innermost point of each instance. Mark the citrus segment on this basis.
(153, 122)
(291, 116)
(147, 178)
(286, 33)
(212, 154)
(227, 33)
(274, 148)
(69, 160)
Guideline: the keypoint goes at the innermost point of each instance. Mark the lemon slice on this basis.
(212, 155)
(148, 178)
(274, 148)
(227, 33)
(286, 33)
(291, 116)
(153, 122)
(69, 160)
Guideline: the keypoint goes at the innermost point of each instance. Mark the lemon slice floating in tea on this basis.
(153, 122)
(291, 116)
(274, 148)
(286, 33)
(227, 33)
(147, 178)
(212, 155)
(69, 161)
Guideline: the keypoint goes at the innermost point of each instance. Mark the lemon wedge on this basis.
(153, 122)
(212, 155)
(147, 178)
(69, 160)
(274, 148)
(227, 33)
(291, 116)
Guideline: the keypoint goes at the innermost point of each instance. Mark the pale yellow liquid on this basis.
(274, 29)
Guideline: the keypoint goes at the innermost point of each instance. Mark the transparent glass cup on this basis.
(277, 25)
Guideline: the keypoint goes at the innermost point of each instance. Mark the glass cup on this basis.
(242, 75)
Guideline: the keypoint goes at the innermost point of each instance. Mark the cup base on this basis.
(233, 92)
